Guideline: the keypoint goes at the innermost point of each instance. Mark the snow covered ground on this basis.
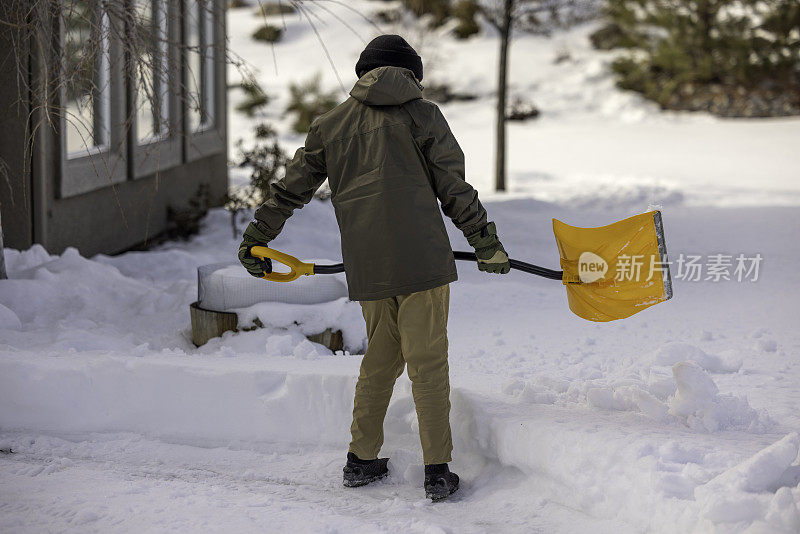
(592, 141)
(561, 425)
(683, 418)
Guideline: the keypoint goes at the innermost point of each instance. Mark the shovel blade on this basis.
(614, 271)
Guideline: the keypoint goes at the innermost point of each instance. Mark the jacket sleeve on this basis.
(304, 174)
(446, 164)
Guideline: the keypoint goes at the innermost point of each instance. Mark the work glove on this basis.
(254, 237)
(492, 257)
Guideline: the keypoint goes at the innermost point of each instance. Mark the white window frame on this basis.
(210, 136)
(162, 151)
(105, 164)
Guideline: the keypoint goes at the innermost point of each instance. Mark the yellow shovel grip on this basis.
(297, 267)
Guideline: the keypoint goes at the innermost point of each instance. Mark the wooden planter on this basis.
(207, 324)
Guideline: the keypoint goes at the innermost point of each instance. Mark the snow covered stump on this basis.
(226, 289)
(207, 324)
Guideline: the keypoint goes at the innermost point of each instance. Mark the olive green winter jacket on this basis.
(388, 156)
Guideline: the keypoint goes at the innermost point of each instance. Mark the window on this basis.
(88, 100)
(152, 72)
(204, 78)
(143, 88)
(200, 61)
(93, 99)
(155, 93)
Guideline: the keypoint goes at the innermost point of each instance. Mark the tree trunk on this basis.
(3, 274)
(502, 89)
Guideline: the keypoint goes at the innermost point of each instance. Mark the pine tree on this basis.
(681, 46)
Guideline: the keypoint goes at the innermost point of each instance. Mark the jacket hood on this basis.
(387, 86)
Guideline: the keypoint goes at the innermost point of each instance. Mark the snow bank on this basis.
(68, 302)
(340, 314)
(674, 389)
(9, 319)
(300, 402)
(627, 398)
(194, 401)
(698, 402)
(674, 352)
(756, 491)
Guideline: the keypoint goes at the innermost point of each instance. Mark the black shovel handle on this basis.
(516, 264)
(468, 256)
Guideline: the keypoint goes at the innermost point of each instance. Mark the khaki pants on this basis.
(405, 330)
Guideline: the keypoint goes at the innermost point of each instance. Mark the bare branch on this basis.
(354, 10)
(324, 47)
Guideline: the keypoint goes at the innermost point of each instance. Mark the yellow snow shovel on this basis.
(610, 272)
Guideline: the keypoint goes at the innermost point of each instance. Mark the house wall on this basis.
(15, 188)
(112, 220)
(105, 219)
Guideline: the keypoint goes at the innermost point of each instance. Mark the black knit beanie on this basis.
(389, 50)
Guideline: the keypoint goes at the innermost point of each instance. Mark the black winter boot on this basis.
(439, 482)
(358, 472)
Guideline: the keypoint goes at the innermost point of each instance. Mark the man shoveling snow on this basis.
(389, 155)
